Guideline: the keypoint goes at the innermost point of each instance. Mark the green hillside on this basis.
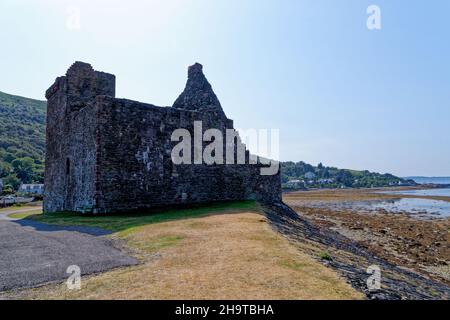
(298, 175)
(22, 139)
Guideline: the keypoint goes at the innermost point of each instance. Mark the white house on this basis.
(295, 184)
(324, 181)
(310, 175)
(32, 188)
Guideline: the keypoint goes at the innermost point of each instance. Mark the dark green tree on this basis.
(5, 169)
(24, 169)
(12, 181)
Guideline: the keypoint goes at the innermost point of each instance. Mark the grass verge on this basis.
(24, 215)
(128, 222)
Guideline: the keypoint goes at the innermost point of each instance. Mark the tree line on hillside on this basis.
(22, 141)
(301, 175)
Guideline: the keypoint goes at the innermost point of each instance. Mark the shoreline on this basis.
(351, 260)
(369, 193)
(418, 246)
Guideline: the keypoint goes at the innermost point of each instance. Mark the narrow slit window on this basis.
(67, 166)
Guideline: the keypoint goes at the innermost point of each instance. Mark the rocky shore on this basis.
(412, 254)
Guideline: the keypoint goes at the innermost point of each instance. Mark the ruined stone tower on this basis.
(109, 155)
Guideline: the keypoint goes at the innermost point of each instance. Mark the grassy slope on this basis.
(218, 252)
(22, 133)
(22, 124)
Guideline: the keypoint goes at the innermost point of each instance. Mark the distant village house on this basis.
(32, 188)
(310, 175)
(295, 184)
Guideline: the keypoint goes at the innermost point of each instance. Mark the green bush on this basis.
(325, 256)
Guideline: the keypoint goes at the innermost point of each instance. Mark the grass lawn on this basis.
(222, 251)
(26, 214)
(126, 222)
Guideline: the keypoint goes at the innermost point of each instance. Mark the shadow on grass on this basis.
(42, 226)
(124, 221)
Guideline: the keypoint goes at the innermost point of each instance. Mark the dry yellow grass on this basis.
(226, 256)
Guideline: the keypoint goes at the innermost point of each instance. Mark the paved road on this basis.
(32, 253)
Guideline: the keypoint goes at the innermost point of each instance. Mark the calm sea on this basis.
(425, 207)
(442, 192)
(434, 180)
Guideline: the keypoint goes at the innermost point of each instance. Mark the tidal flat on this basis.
(406, 227)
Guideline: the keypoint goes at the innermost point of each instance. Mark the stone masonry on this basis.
(107, 155)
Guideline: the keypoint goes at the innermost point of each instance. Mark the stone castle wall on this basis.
(108, 155)
(71, 137)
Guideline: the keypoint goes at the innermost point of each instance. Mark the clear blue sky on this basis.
(339, 93)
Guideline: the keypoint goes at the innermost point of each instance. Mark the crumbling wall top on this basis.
(82, 84)
(198, 94)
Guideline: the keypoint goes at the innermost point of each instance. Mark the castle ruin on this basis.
(105, 154)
